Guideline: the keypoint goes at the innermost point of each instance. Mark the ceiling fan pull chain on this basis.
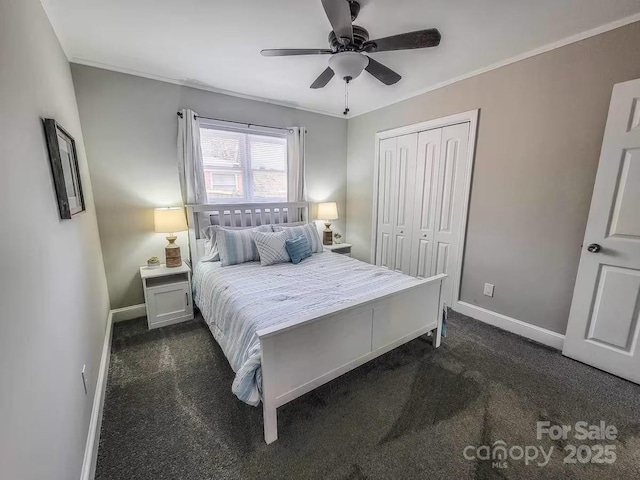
(346, 98)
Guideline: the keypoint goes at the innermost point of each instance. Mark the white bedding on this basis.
(236, 301)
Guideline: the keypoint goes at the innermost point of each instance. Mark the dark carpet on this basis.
(170, 413)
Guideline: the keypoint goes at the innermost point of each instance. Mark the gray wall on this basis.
(540, 131)
(130, 129)
(54, 292)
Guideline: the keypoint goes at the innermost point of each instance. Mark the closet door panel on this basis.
(384, 257)
(448, 183)
(442, 258)
(450, 186)
(405, 174)
(421, 252)
(400, 259)
(427, 159)
(386, 204)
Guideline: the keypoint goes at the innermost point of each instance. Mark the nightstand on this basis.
(167, 294)
(341, 248)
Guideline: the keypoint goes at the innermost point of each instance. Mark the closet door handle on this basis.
(186, 295)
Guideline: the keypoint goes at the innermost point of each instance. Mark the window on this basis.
(243, 167)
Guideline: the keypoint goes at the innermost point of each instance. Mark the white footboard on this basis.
(301, 355)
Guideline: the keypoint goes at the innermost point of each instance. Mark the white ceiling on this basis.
(216, 44)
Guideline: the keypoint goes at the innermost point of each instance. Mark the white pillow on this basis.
(272, 247)
(211, 253)
(309, 230)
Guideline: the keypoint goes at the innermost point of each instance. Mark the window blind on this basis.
(243, 167)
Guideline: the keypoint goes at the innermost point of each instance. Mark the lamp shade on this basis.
(348, 64)
(327, 211)
(169, 220)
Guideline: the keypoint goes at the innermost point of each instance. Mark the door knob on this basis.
(594, 248)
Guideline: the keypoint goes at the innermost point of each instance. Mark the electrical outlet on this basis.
(84, 378)
(488, 289)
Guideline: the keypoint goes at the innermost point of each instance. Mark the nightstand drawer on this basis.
(169, 303)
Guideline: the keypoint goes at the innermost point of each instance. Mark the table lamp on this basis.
(170, 220)
(327, 211)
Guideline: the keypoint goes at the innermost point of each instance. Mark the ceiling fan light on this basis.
(348, 64)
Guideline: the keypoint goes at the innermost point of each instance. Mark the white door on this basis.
(603, 322)
(450, 197)
(424, 210)
(404, 180)
(386, 202)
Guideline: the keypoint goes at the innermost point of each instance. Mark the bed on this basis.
(287, 329)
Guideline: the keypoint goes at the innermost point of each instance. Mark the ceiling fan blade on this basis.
(382, 73)
(323, 79)
(339, 15)
(406, 41)
(283, 52)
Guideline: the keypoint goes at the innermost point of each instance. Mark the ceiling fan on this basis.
(348, 44)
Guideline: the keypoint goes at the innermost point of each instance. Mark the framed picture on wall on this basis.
(64, 168)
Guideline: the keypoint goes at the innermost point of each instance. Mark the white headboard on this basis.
(239, 215)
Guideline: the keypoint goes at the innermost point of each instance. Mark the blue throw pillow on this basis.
(298, 248)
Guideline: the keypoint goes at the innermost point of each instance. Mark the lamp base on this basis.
(327, 235)
(172, 253)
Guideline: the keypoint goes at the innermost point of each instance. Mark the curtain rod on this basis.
(249, 125)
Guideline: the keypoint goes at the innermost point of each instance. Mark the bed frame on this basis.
(300, 355)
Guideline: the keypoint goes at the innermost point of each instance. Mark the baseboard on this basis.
(93, 437)
(532, 332)
(129, 313)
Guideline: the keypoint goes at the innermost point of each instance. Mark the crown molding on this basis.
(503, 63)
(199, 86)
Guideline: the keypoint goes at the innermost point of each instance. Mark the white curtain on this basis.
(190, 159)
(295, 163)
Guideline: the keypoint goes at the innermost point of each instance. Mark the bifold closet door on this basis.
(421, 186)
(424, 211)
(384, 232)
(449, 210)
(396, 184)
(405, 173)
